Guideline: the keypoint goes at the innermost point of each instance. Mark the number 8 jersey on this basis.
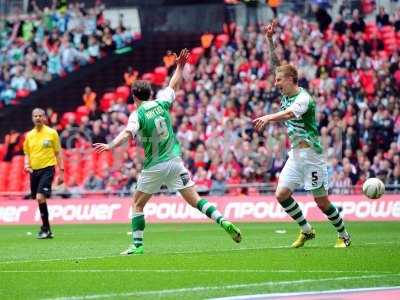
(152, 123)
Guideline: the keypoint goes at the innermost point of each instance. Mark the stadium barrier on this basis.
(163, 209)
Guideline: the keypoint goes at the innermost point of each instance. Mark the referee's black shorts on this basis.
(41, 181)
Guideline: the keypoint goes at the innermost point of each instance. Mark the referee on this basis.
(42, 152)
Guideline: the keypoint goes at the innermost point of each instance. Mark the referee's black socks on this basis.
(44, 213)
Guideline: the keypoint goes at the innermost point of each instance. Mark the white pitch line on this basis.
(167, 253)
(55, 259)
(266, 296)
(161, 293)
(161, 253)
(191, 271)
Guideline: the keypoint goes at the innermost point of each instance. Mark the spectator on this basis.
(218, 185)
(60, 189)
(130, 76)
(94, 183)
(323, 18)
(89, 97)
(382, 19)
(394, 180)
(341, 184)
(358, 24)
(13, 145)
(274, 4)
(340, 26)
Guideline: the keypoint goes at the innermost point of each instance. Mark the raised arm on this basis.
(180, 62)
(269, 33)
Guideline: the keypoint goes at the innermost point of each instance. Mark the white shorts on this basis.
(306, 169)
(171, 173)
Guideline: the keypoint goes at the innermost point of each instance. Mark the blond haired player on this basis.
(305, 167)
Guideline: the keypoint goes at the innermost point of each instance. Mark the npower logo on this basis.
(81, 212)
(12, 213)
(370, 209)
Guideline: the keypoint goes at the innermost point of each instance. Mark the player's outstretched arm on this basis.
(261, 122)
(120, 139)
(269, 33)
(180, 61)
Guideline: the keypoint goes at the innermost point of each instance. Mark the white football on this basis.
(373, 188)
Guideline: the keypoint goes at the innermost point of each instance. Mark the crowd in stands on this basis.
(351, 68)
(48, 43)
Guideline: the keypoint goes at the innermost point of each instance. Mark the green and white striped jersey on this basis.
(153, 125)
(304, 126)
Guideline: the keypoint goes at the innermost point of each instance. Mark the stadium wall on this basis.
(164, 209)
(65, 94)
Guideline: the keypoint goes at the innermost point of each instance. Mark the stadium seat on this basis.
(221, 40)
(105, 104)
(123, 92)
(82, 110)
(15, 183)
(390, 45)
(109, 96)
(148, 77)
(18, 159)
(106, 101)
(67, 117)
(4, 169)
(195, 55)
(383, 54)
(159, 75)
(22, 93)
(131, 107)
(2, 151)
(371, 28)
(387, 29)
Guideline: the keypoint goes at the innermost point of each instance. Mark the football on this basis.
(373, 188)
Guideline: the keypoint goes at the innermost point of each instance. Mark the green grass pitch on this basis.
(195, 261)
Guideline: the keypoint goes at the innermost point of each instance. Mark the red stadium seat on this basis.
(371, 27)
(66, 117)
(123, 92)
(4, 171)
(383, 54)
(105, 104)
(18, 159)
(159, 75)
(131, 107)
(2, 151)
(148, 77)
(390, 45)
(22, 93)
(195, 55)
(221, 40)
(387, 29)
(15, 182)
(106, 101)
(83, 110)
(109, 96)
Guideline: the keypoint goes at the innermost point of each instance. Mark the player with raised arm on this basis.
(305, 166)
(151, 122)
